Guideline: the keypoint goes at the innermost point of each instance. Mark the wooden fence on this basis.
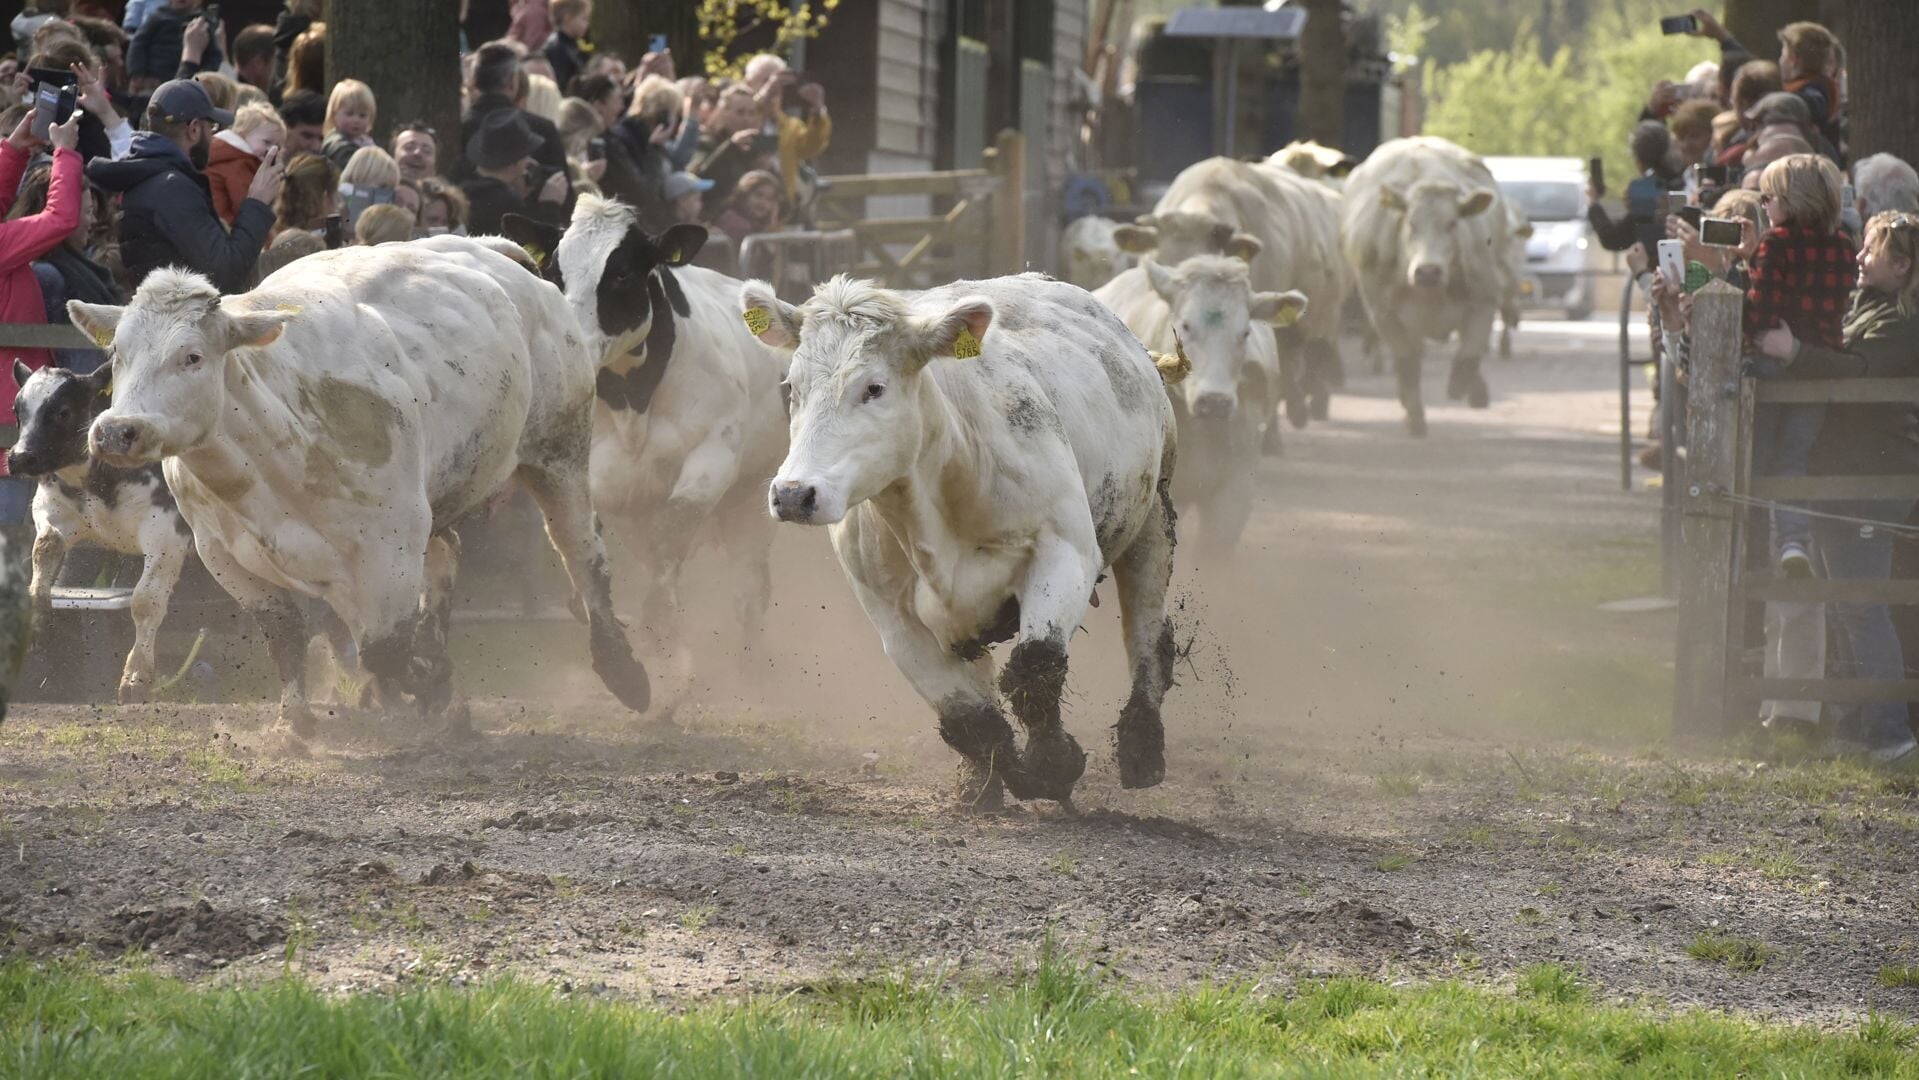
(977, 227)
(1713, 693)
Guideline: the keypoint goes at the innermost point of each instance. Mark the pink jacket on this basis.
(21, 242)
(532, 24)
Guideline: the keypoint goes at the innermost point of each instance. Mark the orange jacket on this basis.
(229, 172)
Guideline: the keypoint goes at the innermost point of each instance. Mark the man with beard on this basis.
(166, 208)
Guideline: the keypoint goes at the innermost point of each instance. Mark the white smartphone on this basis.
(1672, 262)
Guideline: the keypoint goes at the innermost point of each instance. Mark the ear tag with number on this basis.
(1287, 316)
(965, 346)
(758, 320)
(103, 338)
(537, 253)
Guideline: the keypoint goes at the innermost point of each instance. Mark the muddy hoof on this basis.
(1477, 395)
(298, 720)
(1271, 444)
(1049, 768)
(614, 663)
(979, 790)
(1416, 425)
(1322, 407)
(1297, 411)
(1142, 770)
(1458, 382)
(132, 691)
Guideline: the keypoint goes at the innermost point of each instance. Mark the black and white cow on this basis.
(690, 422)
(83, 499)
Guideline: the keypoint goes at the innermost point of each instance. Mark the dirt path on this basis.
(1407, 743)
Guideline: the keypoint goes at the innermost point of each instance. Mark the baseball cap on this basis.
(683, 183)
(181, 100)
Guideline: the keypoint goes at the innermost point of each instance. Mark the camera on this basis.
(1719, 232)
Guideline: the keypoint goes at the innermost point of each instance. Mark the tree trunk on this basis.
(1884, 95)
(1756, 23)
(624, 26)
(1322, 76)
(408, 53)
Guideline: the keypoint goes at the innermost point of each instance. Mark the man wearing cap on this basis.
(684, 194)
(166, 207)
(501, 153)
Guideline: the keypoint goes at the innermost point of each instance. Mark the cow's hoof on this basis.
(1477, 395)
(979, 790)
(1416, 425)
(132, 691)
(1051, 766)
(1271, 443)
(1322, 407)
(1142, 769)
(577, 607)
(614, 663)
(1297, 411)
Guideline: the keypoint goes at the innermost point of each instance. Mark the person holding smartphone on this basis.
(25, 239)
(509, 180)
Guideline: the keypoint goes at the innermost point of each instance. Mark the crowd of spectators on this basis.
(1829, 264)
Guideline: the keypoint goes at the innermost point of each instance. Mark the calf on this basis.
(981, 453)
(80, 498)
(1206, 308)
(1090, 255)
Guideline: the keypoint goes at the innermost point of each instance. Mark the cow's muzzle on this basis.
(794, 501)
(122, 441)
(1214, 405)
(1429, 276)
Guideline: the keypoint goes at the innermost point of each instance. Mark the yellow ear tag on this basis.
(1287, 316)
(536, 253)
(965, 346)
(103, 338)
(290, 309)
(758, 320)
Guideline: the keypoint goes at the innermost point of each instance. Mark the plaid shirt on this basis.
(1804, 279)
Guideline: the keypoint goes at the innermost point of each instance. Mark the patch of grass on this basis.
(1065, 865)
(1055, 1020)
(1898, 976)
(694, 919)
(1395, 862)
(1782, 866)
(1401, 783)
(1736, 951)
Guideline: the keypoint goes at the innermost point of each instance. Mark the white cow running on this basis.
(1427, 231)
(323, 432)
(690, 422)
(1090, 255)
(1212, 207)
(982, 452)
(1206, 307)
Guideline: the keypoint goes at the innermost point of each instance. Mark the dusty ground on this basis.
(1407, 743)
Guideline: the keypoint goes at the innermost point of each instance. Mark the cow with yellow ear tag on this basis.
(982, 454)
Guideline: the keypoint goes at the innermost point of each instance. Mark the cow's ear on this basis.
(537, 237)
(960, 333)
(99, 382)
(1160, 278)
(1243, 246)
(97, 321)
(1278, 308)
(679, 244)
(1476, 203)
(1137, 239)
(21, 373)
(256, 329)
(1391, 200)
(1524, 232)
(774, 321)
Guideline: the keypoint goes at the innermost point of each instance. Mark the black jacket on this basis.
(489, 200)
(1866, 440)
(167, 218)
(156, 46)
(566, 56)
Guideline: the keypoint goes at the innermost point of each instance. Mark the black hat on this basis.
(504, 138)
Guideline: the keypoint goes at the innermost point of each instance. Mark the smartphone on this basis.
(656, 43)
(51, 75)
(1713, 176)
(596, 148)
(1691, 215)
(1672, 262)
(1719, 232)
(1848, 199)
(1596, 172)
(1679, 24)
(212, 14)
(335, 232)
(52, 105)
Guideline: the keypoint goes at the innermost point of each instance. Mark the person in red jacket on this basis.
(25, 239)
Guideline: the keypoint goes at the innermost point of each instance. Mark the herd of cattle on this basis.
(983, 453)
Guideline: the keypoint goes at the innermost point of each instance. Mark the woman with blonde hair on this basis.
(542, 97)
(385, 224)
(220, 89)
(580, 125)
(369, 179)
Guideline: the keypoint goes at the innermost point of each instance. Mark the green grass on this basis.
(1734, 951)
(1899, 976)
(1057, 1020)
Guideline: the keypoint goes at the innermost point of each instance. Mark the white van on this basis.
(1552, 193)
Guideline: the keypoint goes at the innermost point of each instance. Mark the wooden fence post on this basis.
(1709, 526)
(1009, 204)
